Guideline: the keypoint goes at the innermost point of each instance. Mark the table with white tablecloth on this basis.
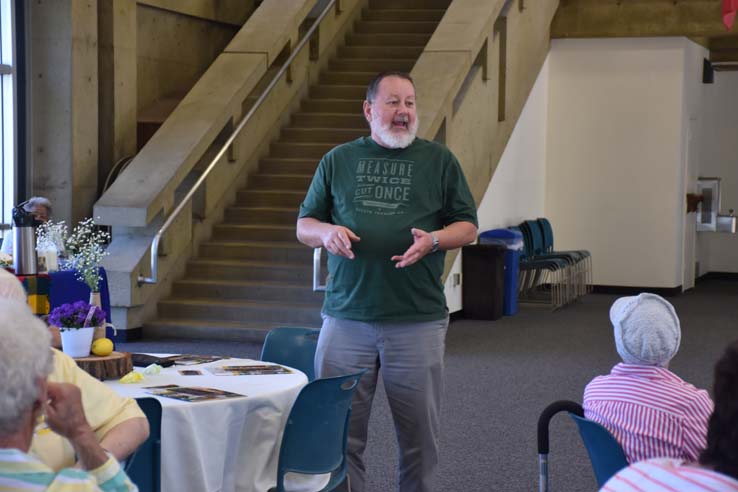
(228, 445)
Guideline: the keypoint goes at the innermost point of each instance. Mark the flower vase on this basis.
(99, 330)
(76, 342)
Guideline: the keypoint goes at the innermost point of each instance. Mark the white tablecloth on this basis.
(221, 445)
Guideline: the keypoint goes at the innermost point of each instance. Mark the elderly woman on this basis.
(717, 470)
(27, 396)
(40, 207)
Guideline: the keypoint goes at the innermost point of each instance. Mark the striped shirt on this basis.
(668, 475)
(21, 472)
(650, 411)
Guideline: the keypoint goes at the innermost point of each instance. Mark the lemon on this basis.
(102, 347)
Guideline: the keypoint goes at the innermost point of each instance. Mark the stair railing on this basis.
(157, 237)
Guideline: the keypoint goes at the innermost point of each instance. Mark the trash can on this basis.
(513, 242)
(483, 271)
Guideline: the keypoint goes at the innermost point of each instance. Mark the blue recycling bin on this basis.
(513, 241)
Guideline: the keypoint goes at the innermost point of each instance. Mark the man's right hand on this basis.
(337, 240)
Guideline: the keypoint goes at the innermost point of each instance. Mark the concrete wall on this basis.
(615, 170)
(174, 50)
(717, 152)
(517, 189)
(63, 119)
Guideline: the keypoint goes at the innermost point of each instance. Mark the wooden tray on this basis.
(113, 366)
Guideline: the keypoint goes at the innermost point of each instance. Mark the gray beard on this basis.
(393, 140)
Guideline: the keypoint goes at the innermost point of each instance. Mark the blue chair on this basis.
(314, 439)
(294, 347)
(605, 453)
(144, 466)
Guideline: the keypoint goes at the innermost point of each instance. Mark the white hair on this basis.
(25, 356)
(37, 201)
(11, 287)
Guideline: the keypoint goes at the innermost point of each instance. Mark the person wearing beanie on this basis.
(717, 469)
(649, 409)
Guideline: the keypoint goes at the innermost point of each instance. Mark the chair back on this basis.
(605, 452)
(144, 466)
(314, 439)
(548, 235)
(294, 347)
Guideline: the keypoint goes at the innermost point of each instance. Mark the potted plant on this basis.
(77, 322)
(86, 249)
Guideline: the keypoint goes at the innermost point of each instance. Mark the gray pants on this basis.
(411, 358)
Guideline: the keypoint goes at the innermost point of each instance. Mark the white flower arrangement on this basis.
(51, 236)
(86, 248)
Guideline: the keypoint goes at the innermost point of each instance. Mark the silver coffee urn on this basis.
(24, 241)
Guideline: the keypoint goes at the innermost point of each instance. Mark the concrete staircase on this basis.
(253, 275)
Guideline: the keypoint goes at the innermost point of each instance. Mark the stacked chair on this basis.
(549, 276)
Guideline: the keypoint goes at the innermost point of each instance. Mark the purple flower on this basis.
(74, 315)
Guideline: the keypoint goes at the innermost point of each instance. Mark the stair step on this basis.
(239, 310)
(385, 39)
(371, 64)
(409, 4)
(244, 270)
(349, 106)
(261, 215)
(282, 165)
(295, 182)
(384, 52)
(245, 331)
(394, 27)
(325, 91)
(329, 120)
(253, 232)
(270, 198)
(399, 14)
(260, 291)
(300, 149)
(348, 78)
(317, 135)
(276, 251)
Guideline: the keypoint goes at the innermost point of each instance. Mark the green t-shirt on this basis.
(381, 194)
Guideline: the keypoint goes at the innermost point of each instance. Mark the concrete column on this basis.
(117, 80)
(64, 104)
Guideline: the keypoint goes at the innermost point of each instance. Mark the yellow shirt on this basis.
(103, 408)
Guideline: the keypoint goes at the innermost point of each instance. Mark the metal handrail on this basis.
(157, 238)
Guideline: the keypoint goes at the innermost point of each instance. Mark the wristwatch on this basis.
(434, 246)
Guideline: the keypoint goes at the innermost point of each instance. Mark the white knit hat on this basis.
(647, 329)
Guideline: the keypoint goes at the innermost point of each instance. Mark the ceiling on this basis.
(699, 20)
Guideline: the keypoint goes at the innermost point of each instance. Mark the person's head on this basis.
(10, 287)
(40, 207)
(25, 363)
(721, 453)
(390, 109)
(646, 329)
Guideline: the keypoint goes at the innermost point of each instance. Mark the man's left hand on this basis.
(422, 245)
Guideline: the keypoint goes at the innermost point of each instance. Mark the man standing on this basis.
(386, 207)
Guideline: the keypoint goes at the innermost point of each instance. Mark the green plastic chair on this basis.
(294, 347)
(314, 439)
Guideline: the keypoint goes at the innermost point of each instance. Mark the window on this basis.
(7, 114)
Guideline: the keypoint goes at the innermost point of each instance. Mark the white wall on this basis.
(718, 157)
(615, 166)
(516, 191)
(693, 103)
